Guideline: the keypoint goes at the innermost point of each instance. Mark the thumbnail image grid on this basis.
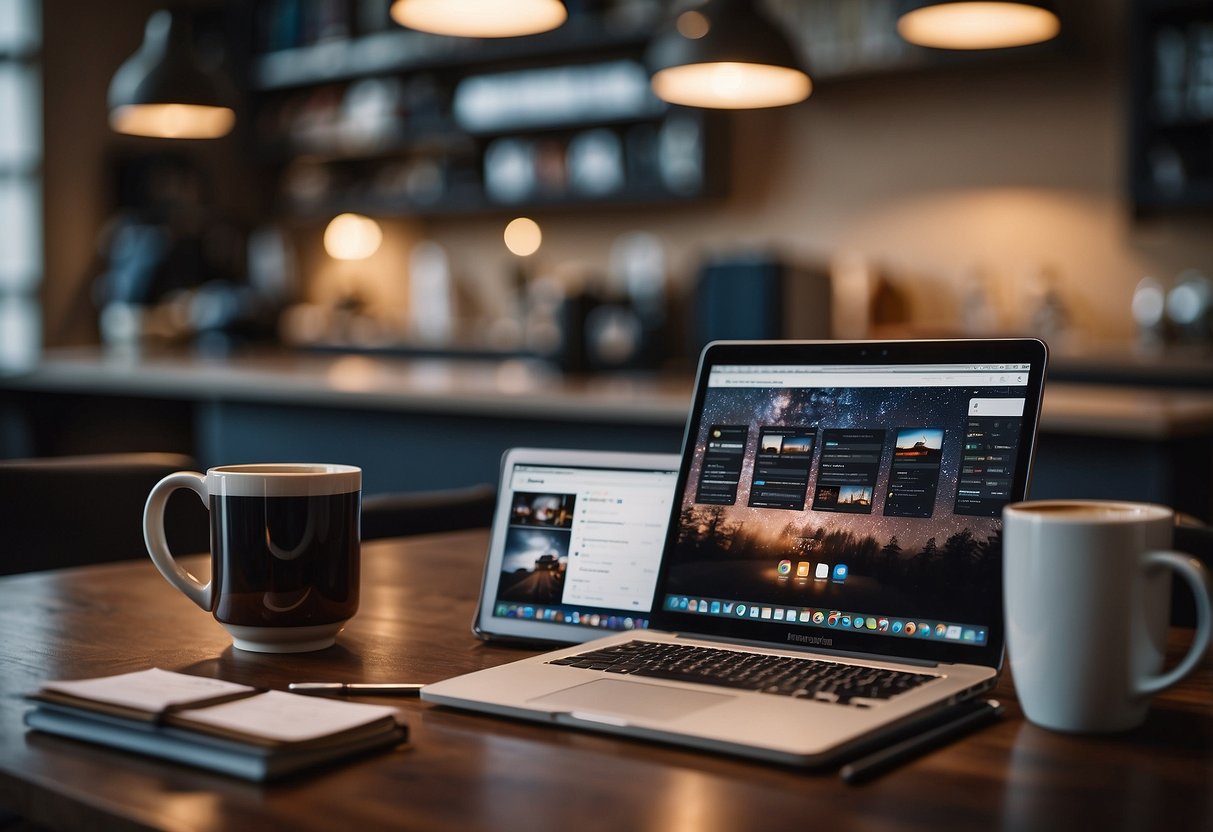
(536, 555)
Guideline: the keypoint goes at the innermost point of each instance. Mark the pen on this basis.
(877, 762)
(354, 688)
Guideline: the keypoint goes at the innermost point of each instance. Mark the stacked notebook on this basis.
(235, 729)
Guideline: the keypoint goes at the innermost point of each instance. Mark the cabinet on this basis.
(1171, 105)
(351, 112)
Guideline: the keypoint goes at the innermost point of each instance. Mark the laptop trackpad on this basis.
(634, 699)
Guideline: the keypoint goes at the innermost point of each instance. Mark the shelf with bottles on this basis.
(545, 128)
(676, 159)
(1171, 106)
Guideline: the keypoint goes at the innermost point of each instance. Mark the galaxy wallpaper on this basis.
(946, 566)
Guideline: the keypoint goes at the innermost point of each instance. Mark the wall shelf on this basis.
(1171, 106)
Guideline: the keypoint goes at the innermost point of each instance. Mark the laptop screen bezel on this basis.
(863, 353)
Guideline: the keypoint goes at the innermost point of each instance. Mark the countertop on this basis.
(525, 389)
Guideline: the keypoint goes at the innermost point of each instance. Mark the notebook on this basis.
(832, 571)
(576, 544)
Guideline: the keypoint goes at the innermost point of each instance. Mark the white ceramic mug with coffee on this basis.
(1088, 591)
(285, 551)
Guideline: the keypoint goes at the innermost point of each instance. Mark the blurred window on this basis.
(21, 262)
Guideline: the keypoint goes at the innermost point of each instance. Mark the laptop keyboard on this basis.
(780, 675)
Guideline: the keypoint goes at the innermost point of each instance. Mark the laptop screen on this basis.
(852, 504)
(579, 546)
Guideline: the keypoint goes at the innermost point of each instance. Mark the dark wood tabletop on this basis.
(470, 772)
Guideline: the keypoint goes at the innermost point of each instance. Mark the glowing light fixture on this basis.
(992, 24)
(163, 91)
(726, 54)
(480, 18)
(352, 237)
(523, 236)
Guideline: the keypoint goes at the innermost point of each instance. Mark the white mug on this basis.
(1088, 592)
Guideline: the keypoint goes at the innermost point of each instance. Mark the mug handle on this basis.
(1194, 572)
(200, 593)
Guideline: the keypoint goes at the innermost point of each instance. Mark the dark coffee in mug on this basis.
(284, 551)
(285, 561)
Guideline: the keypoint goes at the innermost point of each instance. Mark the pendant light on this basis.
(480, 18)
(992, 24)
(726, 54)
(163, 91)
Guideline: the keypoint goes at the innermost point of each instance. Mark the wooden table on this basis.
(470, 772)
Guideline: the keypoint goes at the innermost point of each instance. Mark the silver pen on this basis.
(357, 688)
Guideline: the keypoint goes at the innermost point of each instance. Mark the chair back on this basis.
(77, 510)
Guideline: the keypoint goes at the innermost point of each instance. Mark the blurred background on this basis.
(297, 229)
(916, 191)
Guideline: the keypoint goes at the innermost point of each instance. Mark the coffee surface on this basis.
(1084, 511)
(285, 561)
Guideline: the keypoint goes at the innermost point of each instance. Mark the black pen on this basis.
(969, 718)
(357, 688)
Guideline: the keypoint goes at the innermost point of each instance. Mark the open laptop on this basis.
(832, 573)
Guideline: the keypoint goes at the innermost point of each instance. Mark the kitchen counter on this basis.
(524, 389)
(429, 423)
(511, 387)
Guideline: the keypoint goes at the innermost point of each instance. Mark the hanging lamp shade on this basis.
(163, 91)
(726, 54)
(991, 24)
(480, 18)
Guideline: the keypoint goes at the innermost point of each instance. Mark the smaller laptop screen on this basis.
(853, 504)
(579, 545)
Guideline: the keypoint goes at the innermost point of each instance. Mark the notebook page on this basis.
(289, 717)
(148, 690)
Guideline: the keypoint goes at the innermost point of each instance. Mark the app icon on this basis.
(715, 608)
(832, 618)
(595, 620)
(802, 569)
(727, 608)
(870, 623)
(753, 612)
(846, 621)
(840, 572)
(778, 614)
(804, 616)
(613, 623)
(910, 628)
(859, 622)
(791, 615)
(924, 629)
(628, 623)
(882, 625)
(953, 632)
(693, 606)
(766, 612)
(501, 610)
(822, 572)
(896, 627)
(683, 603)
(672, 602)
(819, 617)
(528, 612)
(785, 567)
(741, 609)
(941, 630)
(970, 635)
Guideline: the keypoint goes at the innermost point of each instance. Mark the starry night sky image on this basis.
(945, 565)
